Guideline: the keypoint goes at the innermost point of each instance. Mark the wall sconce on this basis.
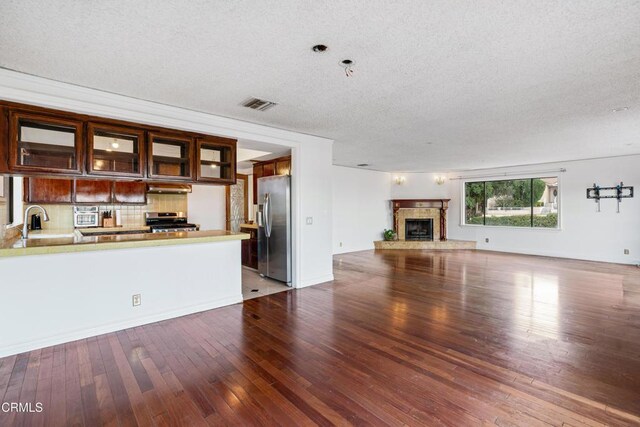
(399, 180)
(440, 179)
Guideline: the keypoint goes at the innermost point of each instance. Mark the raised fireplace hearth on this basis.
(421, 224)
(418, 229)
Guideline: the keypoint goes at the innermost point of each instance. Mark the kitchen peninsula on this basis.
(84, 286)
(89, 281)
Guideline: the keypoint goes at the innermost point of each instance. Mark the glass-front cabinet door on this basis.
(170, 156)
(40, 143)
(113, 150)
(216, 160)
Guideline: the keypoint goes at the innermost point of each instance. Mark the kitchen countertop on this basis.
(254, 226)
(66, 241)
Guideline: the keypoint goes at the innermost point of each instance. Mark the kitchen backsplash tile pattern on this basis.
(61, 216)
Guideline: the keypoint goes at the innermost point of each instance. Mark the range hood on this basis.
(168, 188)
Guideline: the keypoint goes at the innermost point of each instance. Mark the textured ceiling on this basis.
(438, 85)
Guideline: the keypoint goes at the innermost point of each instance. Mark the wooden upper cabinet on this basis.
(4, 146)
(257, 173)
(283, 166)
(269, 169)
(279, 166)
(114, 150)
(170, 156)
(48, 190)
(216, 160)
(40, 143)
(92, 191)
(129, 192)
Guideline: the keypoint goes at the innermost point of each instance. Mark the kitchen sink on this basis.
(21, 243)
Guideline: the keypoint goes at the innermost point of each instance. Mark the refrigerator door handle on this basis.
(267, 215)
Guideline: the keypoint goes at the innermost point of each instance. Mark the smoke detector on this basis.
(258, 104)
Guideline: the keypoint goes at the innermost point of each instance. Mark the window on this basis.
(530, 202)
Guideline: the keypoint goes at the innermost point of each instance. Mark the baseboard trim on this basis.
(66, 337)
(562, 255)
(315, 281)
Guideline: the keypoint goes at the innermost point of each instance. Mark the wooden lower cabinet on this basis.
(250, 248)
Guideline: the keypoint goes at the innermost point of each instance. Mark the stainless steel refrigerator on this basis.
(274, 227)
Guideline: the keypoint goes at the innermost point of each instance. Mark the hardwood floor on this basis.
(416, 338)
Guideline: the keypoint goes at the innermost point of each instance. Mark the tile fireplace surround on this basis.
(436, 209)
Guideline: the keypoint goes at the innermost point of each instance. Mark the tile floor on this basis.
(251, 280)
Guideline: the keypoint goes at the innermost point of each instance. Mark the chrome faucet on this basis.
(25, 228)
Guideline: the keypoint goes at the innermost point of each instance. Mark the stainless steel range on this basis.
(166, 222)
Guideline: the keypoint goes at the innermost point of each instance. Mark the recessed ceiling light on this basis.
(362, 165)
(619, 109)
(320, 48)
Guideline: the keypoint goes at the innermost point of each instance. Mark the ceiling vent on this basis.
(258, 104)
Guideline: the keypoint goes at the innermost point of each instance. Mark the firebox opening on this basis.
(418, 229)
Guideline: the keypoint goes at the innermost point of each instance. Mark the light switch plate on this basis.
(136, 300)
(309, 220)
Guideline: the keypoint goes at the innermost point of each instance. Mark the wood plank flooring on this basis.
(399, 338)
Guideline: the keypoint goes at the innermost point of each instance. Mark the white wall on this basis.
(311, 186)
(361, 208)
(584, 234)
(418, 186)
(206, 206)
(311, 155)
(78, 295)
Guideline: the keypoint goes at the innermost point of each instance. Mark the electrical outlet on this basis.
(626, 251)
(486, 240)
(340, 244)
(136, 299)
(309, 220)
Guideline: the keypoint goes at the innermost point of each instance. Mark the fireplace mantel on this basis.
(441, 204)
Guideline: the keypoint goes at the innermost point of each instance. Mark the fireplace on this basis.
(432, 211)
(418, 229)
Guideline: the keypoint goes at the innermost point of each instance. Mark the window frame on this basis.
(507, 177)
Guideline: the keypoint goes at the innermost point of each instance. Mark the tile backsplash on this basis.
(61, 216)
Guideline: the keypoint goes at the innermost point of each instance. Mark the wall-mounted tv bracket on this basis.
(618, 192)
